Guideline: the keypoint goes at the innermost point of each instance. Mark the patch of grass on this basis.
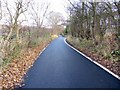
(100, 49)
(14, 54)
(0, 37)
(116, 54)
(36, 41)
(28, 39)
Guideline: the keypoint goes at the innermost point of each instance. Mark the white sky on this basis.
(59, 6)
(55, 5)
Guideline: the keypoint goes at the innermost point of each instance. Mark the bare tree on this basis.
(38, 13)
(13, 21)
(55, 20)
(117, 4)
(0, 10)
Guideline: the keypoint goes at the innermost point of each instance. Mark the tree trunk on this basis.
(94, 23)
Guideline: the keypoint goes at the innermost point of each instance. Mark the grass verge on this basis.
(12, 75)
(99, 53)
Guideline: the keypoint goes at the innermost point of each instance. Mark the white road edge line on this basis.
(93, 61)
(43, 50)
(40, 54)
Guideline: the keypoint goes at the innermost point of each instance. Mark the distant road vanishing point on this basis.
(59, 66)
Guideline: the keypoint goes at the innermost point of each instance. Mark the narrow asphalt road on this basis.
(59, 66)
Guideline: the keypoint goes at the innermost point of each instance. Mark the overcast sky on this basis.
(59, 6)
(55, 5)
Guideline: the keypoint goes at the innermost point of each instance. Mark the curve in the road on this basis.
(59, 66)
(93, 61)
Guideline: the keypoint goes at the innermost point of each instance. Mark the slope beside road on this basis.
(59, 66)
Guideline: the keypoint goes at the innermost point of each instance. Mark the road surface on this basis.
(59, 66)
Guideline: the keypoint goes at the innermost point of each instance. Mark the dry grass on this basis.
(99, 53)
(13, 74)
